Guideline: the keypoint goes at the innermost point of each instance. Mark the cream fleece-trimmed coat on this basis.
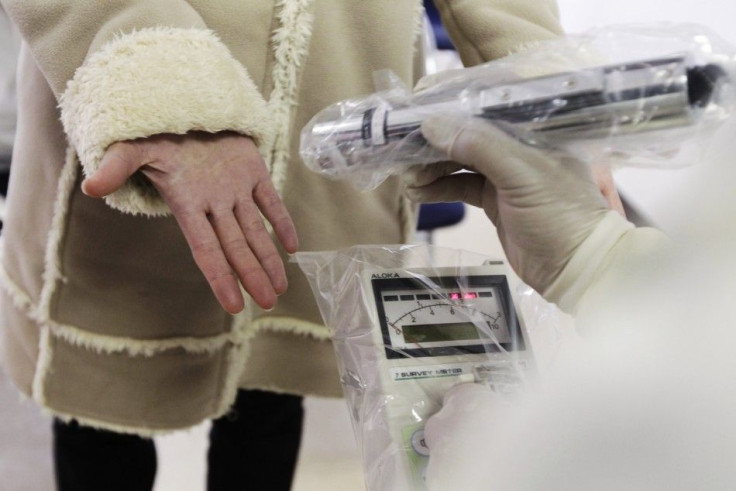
(105, 317)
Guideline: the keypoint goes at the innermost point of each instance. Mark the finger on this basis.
(436, 78)
(467, 187)
(210, 259)
(470, 394)
(262, 245)
(614, 201)
(421, 175)
(443, 424)
(604, 179)
(482, 146)
(270, 204)
(241, 259)
(118, 163)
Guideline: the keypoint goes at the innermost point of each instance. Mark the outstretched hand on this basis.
(216, 186)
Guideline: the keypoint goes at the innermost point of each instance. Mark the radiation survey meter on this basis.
(596, 102)
(435, 328)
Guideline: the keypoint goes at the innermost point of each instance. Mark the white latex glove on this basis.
(544, 206)
(512, 68)
(461, 432)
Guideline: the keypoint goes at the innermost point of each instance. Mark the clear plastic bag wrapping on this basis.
(408, 323)
(626, 95)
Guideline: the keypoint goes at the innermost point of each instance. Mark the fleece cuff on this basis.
(152, 81)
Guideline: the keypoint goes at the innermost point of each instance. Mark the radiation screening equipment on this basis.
(365, 140)
(407, 323)
(433, 329)
(580, 104)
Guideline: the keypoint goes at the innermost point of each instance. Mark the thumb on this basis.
(478, 144)
(444, 76)
(118, 163)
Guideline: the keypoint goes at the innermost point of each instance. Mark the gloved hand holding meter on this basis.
(411, 322)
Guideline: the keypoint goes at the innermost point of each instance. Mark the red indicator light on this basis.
(454, 296)
(470, 295)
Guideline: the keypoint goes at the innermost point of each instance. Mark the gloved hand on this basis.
(526, 65)
(462, 431)
(543, 205)
(216, 186)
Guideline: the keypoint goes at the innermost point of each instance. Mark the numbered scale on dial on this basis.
(439, 316)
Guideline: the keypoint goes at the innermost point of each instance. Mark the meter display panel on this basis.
(440, 316)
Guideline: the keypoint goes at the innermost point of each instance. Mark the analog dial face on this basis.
(444, 317)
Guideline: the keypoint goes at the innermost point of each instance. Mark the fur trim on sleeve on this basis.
(158, 80)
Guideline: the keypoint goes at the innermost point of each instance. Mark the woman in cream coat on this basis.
(107, 317)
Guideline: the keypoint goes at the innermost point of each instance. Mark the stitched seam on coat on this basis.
(290, 45)
(235, 362)
(143, 431)
(237, 358)
(43, 365)
(228, 386)
(292, 325)
(135, 347)
(52, 258)
(21, 300)
(112, 344)
(52, 271)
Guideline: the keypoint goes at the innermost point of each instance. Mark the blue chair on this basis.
(443, 40)
(437, 215)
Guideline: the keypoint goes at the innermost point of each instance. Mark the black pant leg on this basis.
(4, 174)
(4, 178)
(87, 459)
(255, 446)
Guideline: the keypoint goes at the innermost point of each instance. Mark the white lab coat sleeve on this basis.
(615, 258)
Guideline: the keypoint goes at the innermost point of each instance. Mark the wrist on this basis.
(170, 99)
(586, 264)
